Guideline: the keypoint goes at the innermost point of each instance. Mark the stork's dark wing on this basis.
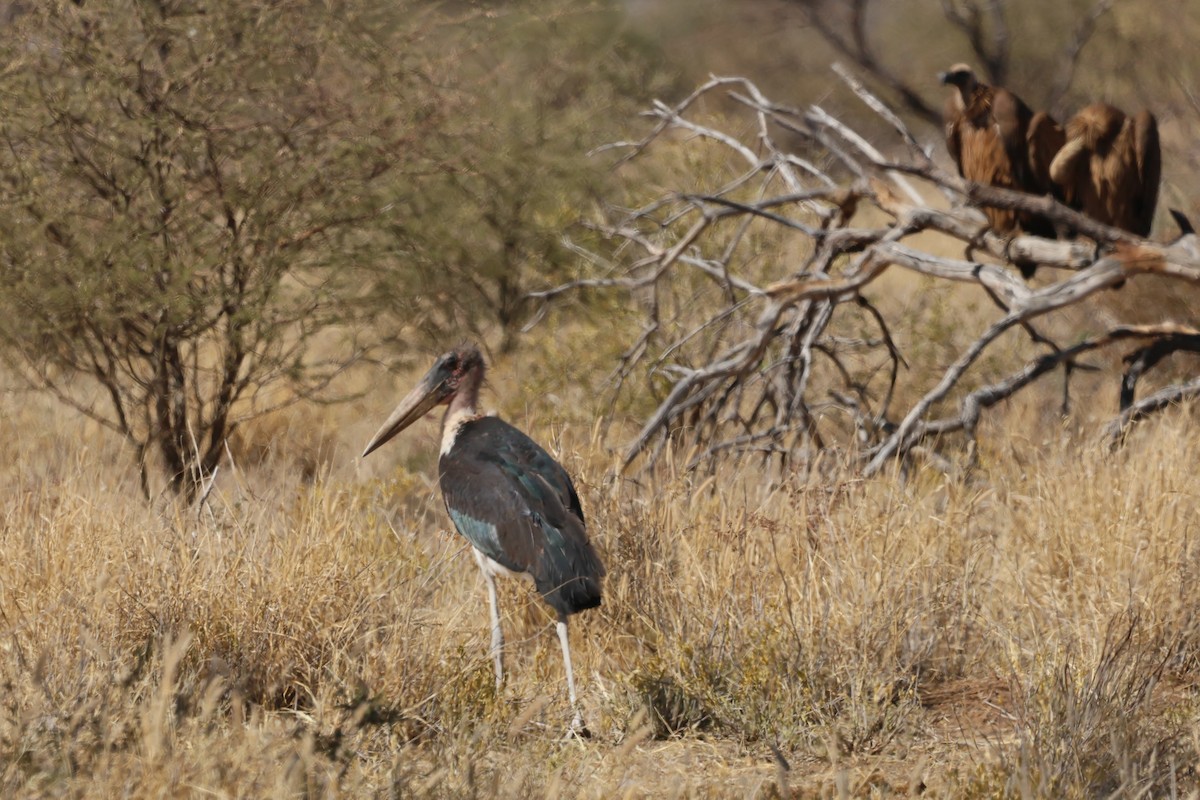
(517, 505)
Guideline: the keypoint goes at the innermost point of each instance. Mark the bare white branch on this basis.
(756, 291)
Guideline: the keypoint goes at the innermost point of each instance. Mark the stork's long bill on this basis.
(453, 378)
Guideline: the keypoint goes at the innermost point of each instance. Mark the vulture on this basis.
(1109, 167)
(995, 139)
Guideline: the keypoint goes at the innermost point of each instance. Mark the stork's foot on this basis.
(579, 728)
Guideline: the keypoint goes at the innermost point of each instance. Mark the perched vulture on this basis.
(996, 140)
(1110, 167)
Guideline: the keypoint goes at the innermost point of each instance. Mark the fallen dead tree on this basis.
(764, 364)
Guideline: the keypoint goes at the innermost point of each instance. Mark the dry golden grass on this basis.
(317, 630)
(1030, 629)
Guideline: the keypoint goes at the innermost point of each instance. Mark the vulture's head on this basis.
(959, 75)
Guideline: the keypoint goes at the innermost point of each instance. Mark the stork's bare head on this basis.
(441, 383)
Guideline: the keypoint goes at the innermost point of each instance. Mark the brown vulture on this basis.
(996, 140)
(1110, 167)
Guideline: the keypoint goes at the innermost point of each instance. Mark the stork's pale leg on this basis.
(497, 633)
(577, 725)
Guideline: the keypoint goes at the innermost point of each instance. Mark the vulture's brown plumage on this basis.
(995, 139)
(1110, 167)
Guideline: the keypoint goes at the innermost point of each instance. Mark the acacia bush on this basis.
(525, 94)
(188, 204)
(213, 210)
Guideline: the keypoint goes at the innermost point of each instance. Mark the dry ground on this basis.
(1028, 629)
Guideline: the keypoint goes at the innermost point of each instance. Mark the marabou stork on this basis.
(514, 503)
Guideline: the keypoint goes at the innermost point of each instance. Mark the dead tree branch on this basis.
(770, 331)
(1071, 52)
(986, 43)
(854, 43)
(1162, 399)
(986, 31)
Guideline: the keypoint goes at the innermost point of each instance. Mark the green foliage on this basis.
(436, 161)
(529, 93)
(205, 204)
(187, 207)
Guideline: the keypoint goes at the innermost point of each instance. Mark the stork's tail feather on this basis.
(569, 575)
